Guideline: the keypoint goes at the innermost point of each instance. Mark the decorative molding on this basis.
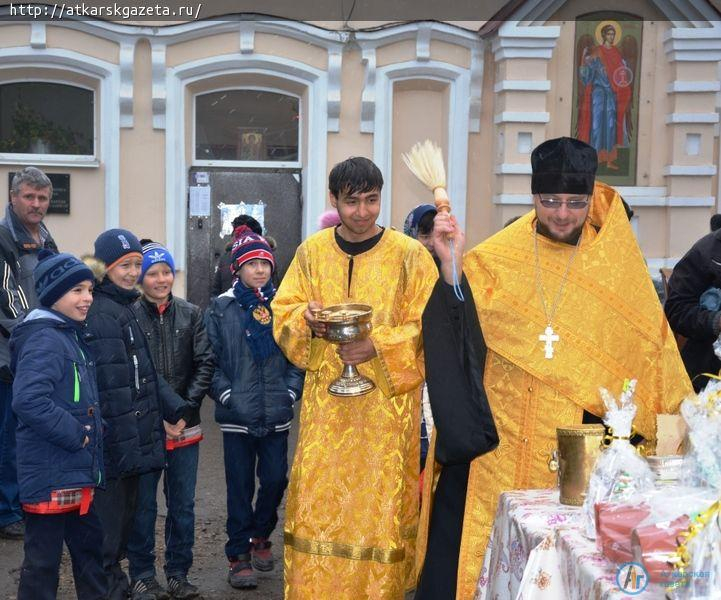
(690, 170)
(38, 35)
(513, 199)
(368, 96)
(423, 42)
(515, 41)
(458, 80)
(522, 117)
(693, 44)
(335, 65)
(690, 201)
(247, 37)
(636, 198)
(422, 33)
(693, 118)
(176, 167)
(476, 89)
(159, 91)
(108, 76)
(682, 86)
(513, 169)
(127, 68)
(522, 85)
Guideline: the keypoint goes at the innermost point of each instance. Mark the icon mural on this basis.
(607, 59)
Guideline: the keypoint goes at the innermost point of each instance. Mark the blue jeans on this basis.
(179, 487)
(10, 510)
(243, 453)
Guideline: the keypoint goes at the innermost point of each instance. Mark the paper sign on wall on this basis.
(199, 201)
(228, 212)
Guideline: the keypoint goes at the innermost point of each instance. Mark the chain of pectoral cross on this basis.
(549, 336)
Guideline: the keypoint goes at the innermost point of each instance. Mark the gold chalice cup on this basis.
(347, 323)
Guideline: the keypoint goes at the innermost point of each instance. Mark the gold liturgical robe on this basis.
(352, 509)
(611, 327)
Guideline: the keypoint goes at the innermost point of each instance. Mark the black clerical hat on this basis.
(563, 166)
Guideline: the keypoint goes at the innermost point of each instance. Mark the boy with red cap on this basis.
(255, 387)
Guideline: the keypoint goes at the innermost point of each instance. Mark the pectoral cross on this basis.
(548, 336)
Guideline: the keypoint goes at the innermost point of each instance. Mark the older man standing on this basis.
(22, 236)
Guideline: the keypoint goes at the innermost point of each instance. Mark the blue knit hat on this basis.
(153, 254)
(56, 274)
(115, 244)
(413, 220)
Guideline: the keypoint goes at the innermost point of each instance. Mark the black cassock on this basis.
(455, 357)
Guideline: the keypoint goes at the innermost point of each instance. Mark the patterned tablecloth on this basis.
(537, 552)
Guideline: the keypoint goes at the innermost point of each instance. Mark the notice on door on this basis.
(199, 201)
(228, 212)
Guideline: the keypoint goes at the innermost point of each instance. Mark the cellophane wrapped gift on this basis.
(702, 413)
(697, 572)
(620, 472)
(646, 525)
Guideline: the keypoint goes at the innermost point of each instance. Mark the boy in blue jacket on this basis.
(59, 435)
(254, 387)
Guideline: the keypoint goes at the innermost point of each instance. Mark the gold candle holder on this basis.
(347, 323)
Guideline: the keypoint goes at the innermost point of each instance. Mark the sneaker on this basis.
(181, 589)
(148, 589)
(14, 531)
(240, 573)
(262, 555)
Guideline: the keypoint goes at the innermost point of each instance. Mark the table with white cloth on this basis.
(537, 550)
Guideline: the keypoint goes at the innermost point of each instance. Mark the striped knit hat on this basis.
(249, 246)
(56, 274)
(153, 254)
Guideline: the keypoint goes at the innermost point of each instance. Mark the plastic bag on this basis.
(620, 473)
(702, 463)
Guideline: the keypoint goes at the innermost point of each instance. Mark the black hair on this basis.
(425, 225)
(249, 221)
(715, 222)
(355, 175)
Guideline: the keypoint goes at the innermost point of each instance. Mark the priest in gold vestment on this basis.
(565, 305)
(352, 509)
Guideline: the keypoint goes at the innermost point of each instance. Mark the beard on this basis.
(572, 237)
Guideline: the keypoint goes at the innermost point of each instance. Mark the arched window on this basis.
(43, 118)
(247, 125)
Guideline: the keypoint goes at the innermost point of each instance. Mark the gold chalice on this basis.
(347, 323)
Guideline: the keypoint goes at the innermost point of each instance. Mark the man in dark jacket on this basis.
(133, 397)
(22, 236)
(693, 306)
(183, 357)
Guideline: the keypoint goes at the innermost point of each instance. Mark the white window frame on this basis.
(69, 160)
(254, 164)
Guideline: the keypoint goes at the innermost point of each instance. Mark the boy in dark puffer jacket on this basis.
(135, 400)
(254, 387)
(59, 436)
(180, 348)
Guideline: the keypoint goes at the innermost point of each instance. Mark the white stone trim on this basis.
(680, 201)
(683, 86)
(247, 38)
(513, 199)
(176, 166)
(694, 118)
(127, 70)
(159, 92)
(38, 35)
(458, 80)
(516, 41)
(107, 119)
(521, 117)
(335, 66)
(694, 43)
(690, 170)
(513, 169)
(522, 85)
(422, 33)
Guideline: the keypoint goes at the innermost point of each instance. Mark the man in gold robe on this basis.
(565, 305)
(352, 509)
